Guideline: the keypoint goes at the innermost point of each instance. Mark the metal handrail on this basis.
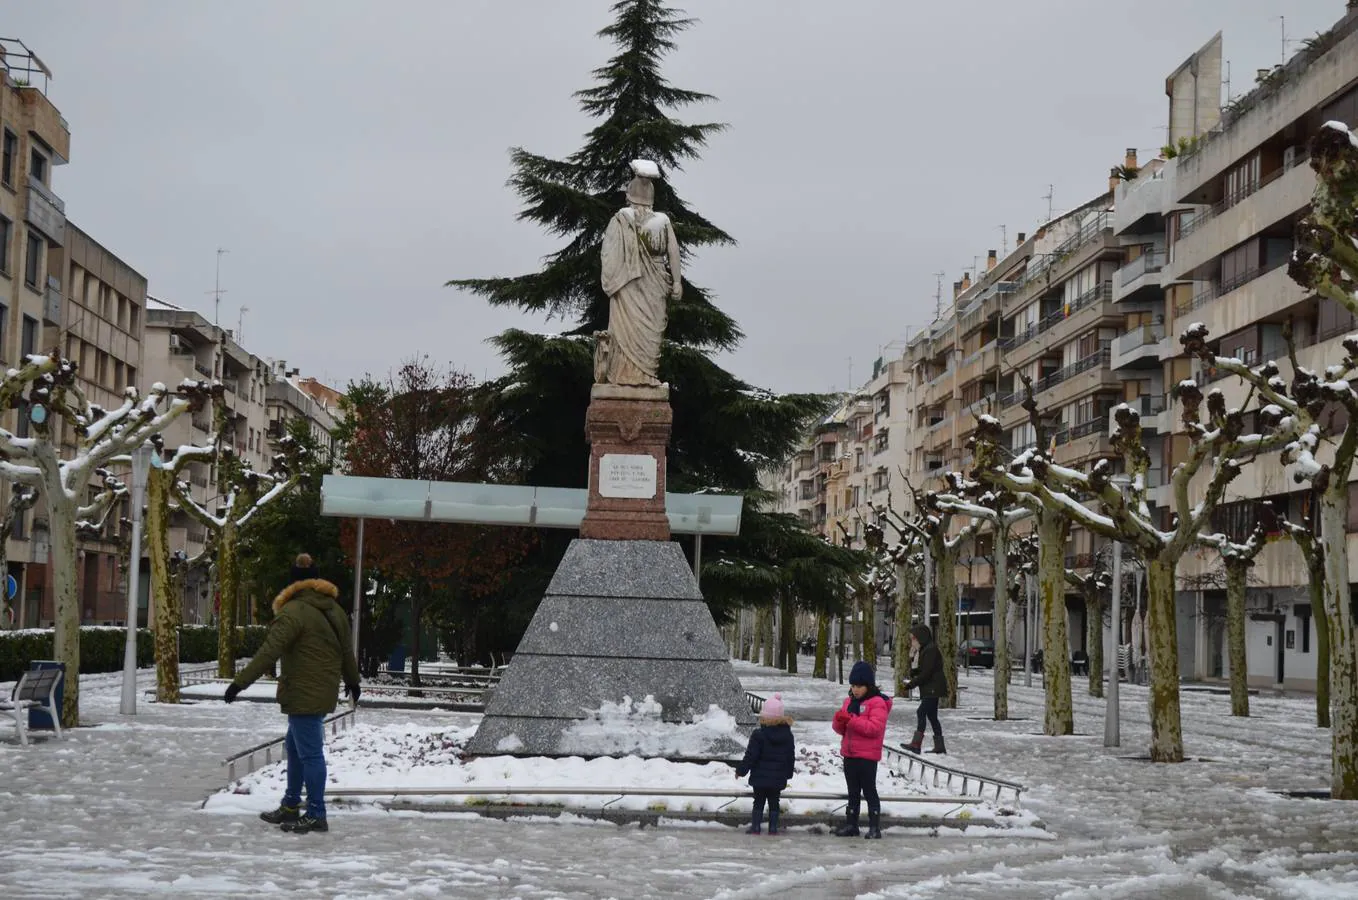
(336, 722)
(912, 761)
(509, 791)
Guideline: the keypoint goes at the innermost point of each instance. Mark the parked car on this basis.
(977, 653)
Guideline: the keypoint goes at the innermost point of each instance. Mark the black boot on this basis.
(306, 825)
(874, 825)
(282, 814)
(915, 742)
(938, 743)
(850, 826)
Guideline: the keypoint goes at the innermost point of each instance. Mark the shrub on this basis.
(101, 647)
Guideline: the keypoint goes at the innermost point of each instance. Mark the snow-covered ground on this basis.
(116, 811)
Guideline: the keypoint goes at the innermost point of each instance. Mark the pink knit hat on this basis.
(773, 707)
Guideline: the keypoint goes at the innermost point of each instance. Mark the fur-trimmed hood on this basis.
(775, 720)
(319, 585)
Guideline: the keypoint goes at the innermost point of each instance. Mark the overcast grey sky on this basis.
(351, 156)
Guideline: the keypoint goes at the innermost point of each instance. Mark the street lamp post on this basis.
(141, 463)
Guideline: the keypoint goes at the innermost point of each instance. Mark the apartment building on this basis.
(1208, 235)
(62, 291)
(855, 459)
(291, 397)
(180, 345)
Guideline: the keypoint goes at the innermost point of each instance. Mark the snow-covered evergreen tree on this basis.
(725, 430)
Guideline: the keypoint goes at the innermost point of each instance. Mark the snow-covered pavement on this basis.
(116, 811)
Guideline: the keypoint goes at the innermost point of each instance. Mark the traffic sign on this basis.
(11, 587)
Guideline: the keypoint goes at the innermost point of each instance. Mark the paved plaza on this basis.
(115, 811)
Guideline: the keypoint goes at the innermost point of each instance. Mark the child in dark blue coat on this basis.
(768, 761)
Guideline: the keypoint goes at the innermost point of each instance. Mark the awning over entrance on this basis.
(355, 497)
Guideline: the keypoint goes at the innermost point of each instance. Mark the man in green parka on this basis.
(310, 634)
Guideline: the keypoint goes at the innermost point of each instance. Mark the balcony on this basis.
(46, 212)
(1241, 216)
(51, 305)
(1142, 273)
(1093, 361)
(1140, 345)
(1139, 201)
(1264, 294)
(979, 363)
(1090, 297)
(231, 385)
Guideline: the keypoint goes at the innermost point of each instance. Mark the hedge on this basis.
(102, 647)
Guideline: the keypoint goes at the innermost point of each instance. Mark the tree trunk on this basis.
(790, 635)
(757, 637)
(1059, 718)
(163, 588)
(1167, 737)
(1094, 638)
(900, 661)
(1236, 573)
(1001, 616)
(228, 579)
(1334, 502)
(946, 579)
(819, 670)
(62, 570)
(766, 641)
(416, 613)
(868, 607)
(1322, 647)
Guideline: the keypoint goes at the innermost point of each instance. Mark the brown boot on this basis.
(915, 742)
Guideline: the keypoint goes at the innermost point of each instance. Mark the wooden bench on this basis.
(36, 689)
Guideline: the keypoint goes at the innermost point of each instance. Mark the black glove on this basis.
(353, 692)
(231, 691)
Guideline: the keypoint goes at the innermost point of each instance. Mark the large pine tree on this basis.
(725, 430)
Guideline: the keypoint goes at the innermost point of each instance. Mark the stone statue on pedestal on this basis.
(640, 274)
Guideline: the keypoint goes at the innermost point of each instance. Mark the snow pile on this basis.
(637, 727)
(409, 757)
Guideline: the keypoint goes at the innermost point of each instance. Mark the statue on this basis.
(640, 268)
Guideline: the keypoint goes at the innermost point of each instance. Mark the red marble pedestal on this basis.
(629, 431)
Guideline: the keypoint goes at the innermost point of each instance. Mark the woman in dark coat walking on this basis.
(932, 681)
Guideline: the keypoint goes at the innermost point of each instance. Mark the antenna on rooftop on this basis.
(217, 291)
(938, 295)
(1051, 191)
(240, 324)
(1004, 241)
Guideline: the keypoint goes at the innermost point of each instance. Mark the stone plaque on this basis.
(630, 475)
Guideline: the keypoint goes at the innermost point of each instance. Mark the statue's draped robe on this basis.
(638, 285)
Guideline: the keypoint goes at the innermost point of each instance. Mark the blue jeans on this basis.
(306, 764)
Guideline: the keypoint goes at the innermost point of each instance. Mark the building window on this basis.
(37, 165)
(29, 337)
(11, 148)
(4, 328)
(131, 376)
(33, 262)
(6, 229)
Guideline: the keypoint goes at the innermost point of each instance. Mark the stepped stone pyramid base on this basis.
(620, 619)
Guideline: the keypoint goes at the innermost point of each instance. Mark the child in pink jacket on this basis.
(862, 722)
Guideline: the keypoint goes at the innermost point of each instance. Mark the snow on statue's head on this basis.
(641, 189)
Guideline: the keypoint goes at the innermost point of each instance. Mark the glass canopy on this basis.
(355, 497)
